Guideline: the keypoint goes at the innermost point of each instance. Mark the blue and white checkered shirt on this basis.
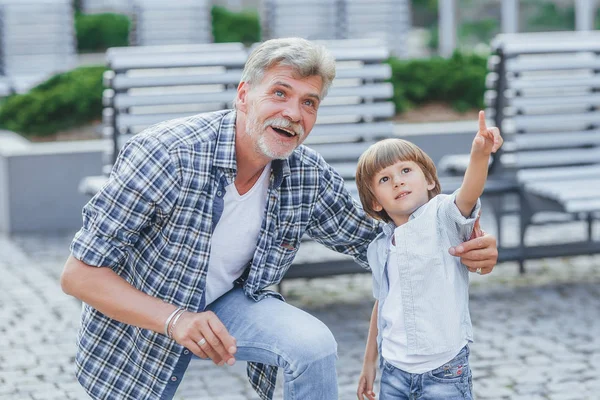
(152, 224)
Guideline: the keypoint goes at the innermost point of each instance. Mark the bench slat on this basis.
(123, 101)
(533, 123)
(557, 140)
(578, 172)
(228, 77)
(557, 157)
(140, 61)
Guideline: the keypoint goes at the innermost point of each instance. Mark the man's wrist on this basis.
(177, 312)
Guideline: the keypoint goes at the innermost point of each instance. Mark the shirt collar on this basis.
(388, 228)
(225, 151)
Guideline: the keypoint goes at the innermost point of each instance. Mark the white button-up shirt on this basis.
(434, 284)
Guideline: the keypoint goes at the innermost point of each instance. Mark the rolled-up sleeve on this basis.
(142, 190)
(339, 222)
(453, 215)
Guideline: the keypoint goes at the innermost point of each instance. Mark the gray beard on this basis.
(253, 129)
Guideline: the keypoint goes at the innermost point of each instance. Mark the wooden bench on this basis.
(159, 22)
(388, 21)
(546, 97)
(36, 40)
(106, 6)
(310, 19)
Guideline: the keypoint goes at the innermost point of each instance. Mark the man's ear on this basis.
(242, 94)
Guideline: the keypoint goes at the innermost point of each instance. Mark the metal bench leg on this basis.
(590, 218)
(496, 202)
(524, 221)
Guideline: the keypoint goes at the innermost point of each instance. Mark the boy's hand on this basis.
(365, 383)
(487, 140)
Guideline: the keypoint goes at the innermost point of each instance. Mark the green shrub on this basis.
(98, 32)
(64, 101)
(459, 81)
(228, 26)
(549, 17)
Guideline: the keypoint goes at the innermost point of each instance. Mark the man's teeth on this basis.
(292, 133)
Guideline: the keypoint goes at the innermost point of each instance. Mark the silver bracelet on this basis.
(174, 322)
(168, 321)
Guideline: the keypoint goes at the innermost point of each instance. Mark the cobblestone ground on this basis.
(537, 335)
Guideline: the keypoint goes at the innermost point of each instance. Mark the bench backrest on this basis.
(386, 20)
(151, 84)
(389, 20)
(310, 19)
(159, 22)
(544, 92)
(36, 37)
(106, 6)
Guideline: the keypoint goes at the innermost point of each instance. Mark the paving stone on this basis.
(534, 334)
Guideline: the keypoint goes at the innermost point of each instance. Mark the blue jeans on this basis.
(451, 381)
(273, 332)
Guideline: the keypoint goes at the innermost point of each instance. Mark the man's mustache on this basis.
(284, 123)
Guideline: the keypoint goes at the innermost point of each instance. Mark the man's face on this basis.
(281, 110)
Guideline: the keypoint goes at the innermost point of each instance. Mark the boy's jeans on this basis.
(451, 381)
(276, 333)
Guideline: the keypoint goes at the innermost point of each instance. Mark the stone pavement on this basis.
(536, 336)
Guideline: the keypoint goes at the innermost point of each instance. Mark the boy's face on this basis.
(400, 189)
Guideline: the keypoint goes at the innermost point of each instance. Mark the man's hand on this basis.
(205, 335)
(487, 140)
(481, 251)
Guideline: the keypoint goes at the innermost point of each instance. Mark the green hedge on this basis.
(75, 98)
(64, 101)
(228, 26)
(98, 32)
(458, 81)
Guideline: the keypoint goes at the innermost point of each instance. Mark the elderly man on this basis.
(199, 217)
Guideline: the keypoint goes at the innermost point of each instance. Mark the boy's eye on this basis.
(405, 170)
(383, 180)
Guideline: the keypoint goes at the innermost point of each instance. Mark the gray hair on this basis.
(305, 57)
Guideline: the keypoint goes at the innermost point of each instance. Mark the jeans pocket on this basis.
(454, 370)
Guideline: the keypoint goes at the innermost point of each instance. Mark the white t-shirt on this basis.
(394, 346)
(236, 234)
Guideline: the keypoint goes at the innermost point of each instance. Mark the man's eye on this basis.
(309, 103)
(278, 93)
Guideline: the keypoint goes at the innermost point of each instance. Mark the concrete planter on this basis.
(39, 182)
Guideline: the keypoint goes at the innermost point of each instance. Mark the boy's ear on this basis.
(431, 186)
(376, 206)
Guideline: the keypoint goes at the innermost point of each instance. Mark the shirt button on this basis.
(186, 352)
(219, 193)
(174, 378)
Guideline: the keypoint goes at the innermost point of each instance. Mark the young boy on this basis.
(420, 323)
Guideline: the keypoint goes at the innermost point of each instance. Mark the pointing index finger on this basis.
(482, 125)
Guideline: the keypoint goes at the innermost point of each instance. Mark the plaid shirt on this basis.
(152, 224)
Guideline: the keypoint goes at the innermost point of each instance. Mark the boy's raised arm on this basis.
(487, 141)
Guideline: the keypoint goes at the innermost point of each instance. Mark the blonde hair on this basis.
(383, 154)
